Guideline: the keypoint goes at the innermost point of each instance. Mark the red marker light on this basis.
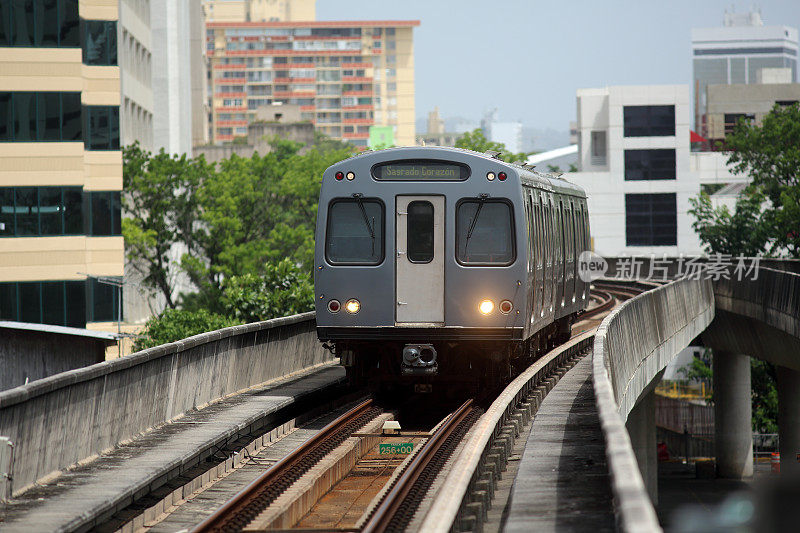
(339, 176)
(506, 307)
(502, 176)
(334, 306)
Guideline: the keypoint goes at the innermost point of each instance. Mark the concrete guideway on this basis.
(88, 495)
(632, 347)
(60, 420)
(757, 318)
(751, 317)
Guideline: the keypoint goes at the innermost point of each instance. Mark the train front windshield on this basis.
(485, 233)
(355, 232)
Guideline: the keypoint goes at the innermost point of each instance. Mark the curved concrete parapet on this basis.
(759, 317)
(60, 420)
(632, 346)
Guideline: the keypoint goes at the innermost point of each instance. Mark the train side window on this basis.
(531, 235)
(549, 214)
(484, 233)
(568, 231)
(420, 234)
(355, 231)
(539, 232)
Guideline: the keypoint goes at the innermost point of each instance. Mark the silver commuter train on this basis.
(440, 265)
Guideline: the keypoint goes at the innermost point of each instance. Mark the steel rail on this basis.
(606, 303)
(383, 515)
(221, 518)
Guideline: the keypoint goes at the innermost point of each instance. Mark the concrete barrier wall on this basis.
(60, 420)
(773, 298)
(632, 345)
(30, 352)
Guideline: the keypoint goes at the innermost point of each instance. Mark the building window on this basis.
(39, 23)
(105, 213)
(41, 211)
(649, 120)
(598, 148)
(40, 116)
(99, 42)
(651, 219)
(104, 301)
(650, 164)
(101, 128)
(732, 119)
(51, 211)
(61, 303)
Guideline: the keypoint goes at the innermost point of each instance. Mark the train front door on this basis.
(419, 259)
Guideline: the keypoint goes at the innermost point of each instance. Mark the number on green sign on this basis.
(395, 448)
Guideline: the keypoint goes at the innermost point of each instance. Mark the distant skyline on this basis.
(528, 57)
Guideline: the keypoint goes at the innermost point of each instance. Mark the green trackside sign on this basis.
(380, 137)
(395, 448)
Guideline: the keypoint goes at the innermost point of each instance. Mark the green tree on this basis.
(699, 369)
(161, 210)
(723, 232)
(764, 393)
(176, 324)
(476, 141)
(764, 396)
(770, 155)
(280, 289)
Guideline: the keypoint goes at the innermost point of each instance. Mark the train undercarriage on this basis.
(444, 366)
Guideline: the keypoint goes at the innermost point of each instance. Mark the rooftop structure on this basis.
(259, 10)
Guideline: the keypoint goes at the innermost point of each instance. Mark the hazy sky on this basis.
(528, 57)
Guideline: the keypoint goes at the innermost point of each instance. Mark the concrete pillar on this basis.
(789, 419)
(641, 425)
(733, 429)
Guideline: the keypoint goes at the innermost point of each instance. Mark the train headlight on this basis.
(486, 307)
(352, 306)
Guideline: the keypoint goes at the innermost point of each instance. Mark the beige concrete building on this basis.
(260, 10)
(728, 103)
(346, 76)
(60, 164)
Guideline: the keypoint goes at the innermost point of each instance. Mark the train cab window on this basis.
(420, 232)
(355, 232)
(484, 233)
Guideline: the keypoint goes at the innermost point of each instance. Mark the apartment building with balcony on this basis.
(346, 76)
(60, 162)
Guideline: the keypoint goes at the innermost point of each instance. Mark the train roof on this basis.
(527, 173)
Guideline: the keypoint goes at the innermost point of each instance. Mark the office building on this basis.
(738, 53)
(727, 104)
(163, 71)
(635, 163)
(346, 76)
(60, 163)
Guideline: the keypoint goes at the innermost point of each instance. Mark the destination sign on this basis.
(420, 171)
(395, 448)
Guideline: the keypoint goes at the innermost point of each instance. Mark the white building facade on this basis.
(636, 166)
